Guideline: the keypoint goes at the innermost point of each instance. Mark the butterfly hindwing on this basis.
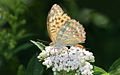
(71, 33)
(80, 32)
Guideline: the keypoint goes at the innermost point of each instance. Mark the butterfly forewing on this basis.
(55, 20)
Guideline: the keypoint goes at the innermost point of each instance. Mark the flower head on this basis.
(73, 59)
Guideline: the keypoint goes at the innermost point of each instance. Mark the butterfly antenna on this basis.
(42, 41)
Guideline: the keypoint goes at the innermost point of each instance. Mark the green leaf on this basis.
(115, 72)
(39, 45)
(106, 74)
(34, 67)
(115, 68)
(115, 65)
(99, 71)
(22, 47)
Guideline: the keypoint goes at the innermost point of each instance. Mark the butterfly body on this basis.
(63, 30)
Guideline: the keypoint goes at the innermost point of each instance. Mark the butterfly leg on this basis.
(80, 46)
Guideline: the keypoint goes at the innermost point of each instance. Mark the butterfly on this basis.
(63, 30)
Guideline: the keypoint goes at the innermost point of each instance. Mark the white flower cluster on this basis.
(73, 59)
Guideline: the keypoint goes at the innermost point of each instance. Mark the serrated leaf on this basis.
(34, 67)
(115, 68)
(99, 71)
(39, 45)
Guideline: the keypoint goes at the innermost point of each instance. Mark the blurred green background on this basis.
(25, 20)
